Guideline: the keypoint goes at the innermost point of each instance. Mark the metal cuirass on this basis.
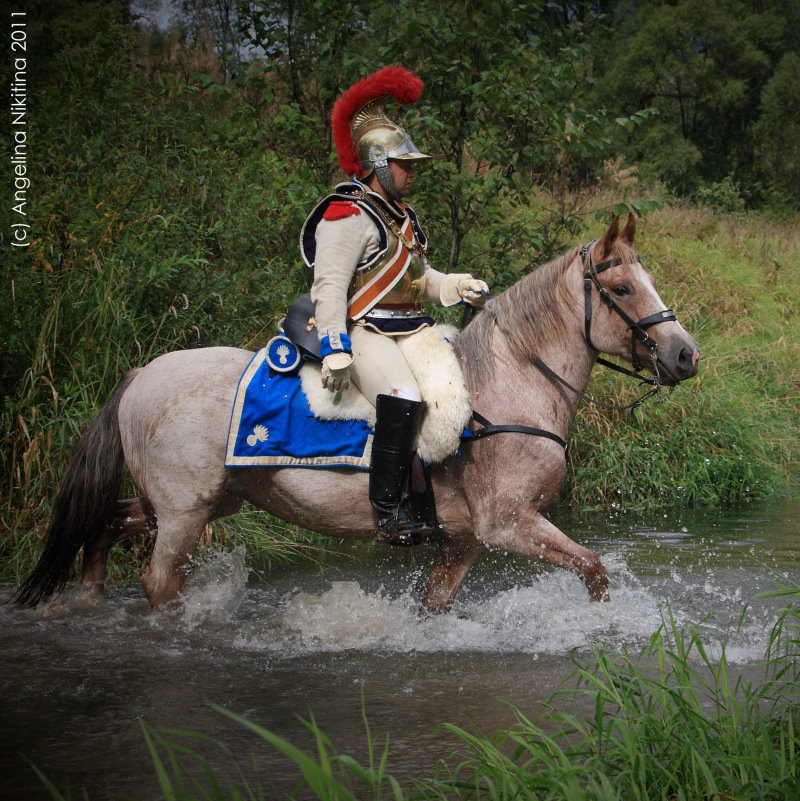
(397, 278)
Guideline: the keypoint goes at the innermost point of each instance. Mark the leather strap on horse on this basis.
(489, 429)
(637, 329)
(638, 402)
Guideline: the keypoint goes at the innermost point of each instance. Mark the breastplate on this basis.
(410, 285)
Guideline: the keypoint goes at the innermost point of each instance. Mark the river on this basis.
(342, 641)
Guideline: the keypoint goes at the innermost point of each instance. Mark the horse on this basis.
(526, 358)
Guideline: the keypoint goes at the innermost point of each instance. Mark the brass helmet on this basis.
(365, 137)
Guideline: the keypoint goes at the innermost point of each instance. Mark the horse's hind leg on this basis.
(178, 535)
(131, 517)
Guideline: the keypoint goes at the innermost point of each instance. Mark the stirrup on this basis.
(398, 528)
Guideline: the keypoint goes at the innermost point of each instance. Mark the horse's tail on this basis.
(84, 504)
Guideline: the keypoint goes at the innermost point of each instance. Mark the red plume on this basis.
(402, 85)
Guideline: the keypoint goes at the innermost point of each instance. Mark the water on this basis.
(343, 640)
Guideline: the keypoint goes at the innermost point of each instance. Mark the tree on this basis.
(302, 66)
(500, 108)
(703, 64)
(777, 133)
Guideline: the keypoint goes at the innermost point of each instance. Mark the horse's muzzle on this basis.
(679, 361)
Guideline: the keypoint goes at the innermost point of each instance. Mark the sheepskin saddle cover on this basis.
(430, 356)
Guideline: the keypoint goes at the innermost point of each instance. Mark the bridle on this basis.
(638, 331)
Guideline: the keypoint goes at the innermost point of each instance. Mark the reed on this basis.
(670, 723)
(185, 772)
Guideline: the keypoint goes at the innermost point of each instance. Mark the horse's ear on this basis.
(609, 237)
(629, 231)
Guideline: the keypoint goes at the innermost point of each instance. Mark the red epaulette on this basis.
(339, 209)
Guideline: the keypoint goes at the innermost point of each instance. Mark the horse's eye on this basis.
(622, 290)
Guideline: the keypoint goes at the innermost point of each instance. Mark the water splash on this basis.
(500, 609)
(215, 590)
(548, 615)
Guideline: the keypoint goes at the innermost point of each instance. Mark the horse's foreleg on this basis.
(449, 568)
(585, 564)
(540, 539)
(133, 516)
(178, 535)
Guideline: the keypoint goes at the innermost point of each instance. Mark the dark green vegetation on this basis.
(168, 187)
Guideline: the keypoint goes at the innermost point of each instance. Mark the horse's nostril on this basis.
(687, 359)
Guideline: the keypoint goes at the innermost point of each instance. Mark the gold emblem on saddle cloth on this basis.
(398, 278)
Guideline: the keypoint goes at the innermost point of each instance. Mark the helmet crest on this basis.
(368, 97)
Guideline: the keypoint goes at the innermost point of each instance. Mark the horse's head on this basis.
(624, 314)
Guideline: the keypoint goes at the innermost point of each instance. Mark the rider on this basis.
(371, 275)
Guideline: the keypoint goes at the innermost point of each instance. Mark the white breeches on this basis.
(378, 366)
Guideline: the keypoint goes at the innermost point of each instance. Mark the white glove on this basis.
(470, 289)
(336, 371)
(455, 287)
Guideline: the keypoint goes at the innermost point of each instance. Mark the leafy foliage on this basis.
(719, 74)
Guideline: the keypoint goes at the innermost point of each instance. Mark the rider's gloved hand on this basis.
(457, 287)
(472, 289)
(336, 371)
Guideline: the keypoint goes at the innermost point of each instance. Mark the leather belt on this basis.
(389, 314)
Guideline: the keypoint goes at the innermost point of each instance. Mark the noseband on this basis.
(637, 329)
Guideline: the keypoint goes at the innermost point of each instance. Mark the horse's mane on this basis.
(537, 306)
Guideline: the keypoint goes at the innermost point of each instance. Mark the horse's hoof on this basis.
(599, 594)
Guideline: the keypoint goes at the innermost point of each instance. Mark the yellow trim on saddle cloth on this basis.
(397, 278)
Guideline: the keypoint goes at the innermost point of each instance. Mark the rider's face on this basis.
(403, 175)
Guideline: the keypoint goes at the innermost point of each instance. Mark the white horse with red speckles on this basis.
(168, 422)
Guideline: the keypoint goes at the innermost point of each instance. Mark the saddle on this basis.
(284, 417)
(430, 356)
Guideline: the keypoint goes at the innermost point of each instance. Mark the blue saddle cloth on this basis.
(272, 426)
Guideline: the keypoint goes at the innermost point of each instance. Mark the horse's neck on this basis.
(520, 392)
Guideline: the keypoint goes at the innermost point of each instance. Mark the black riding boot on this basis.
(398, 421)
